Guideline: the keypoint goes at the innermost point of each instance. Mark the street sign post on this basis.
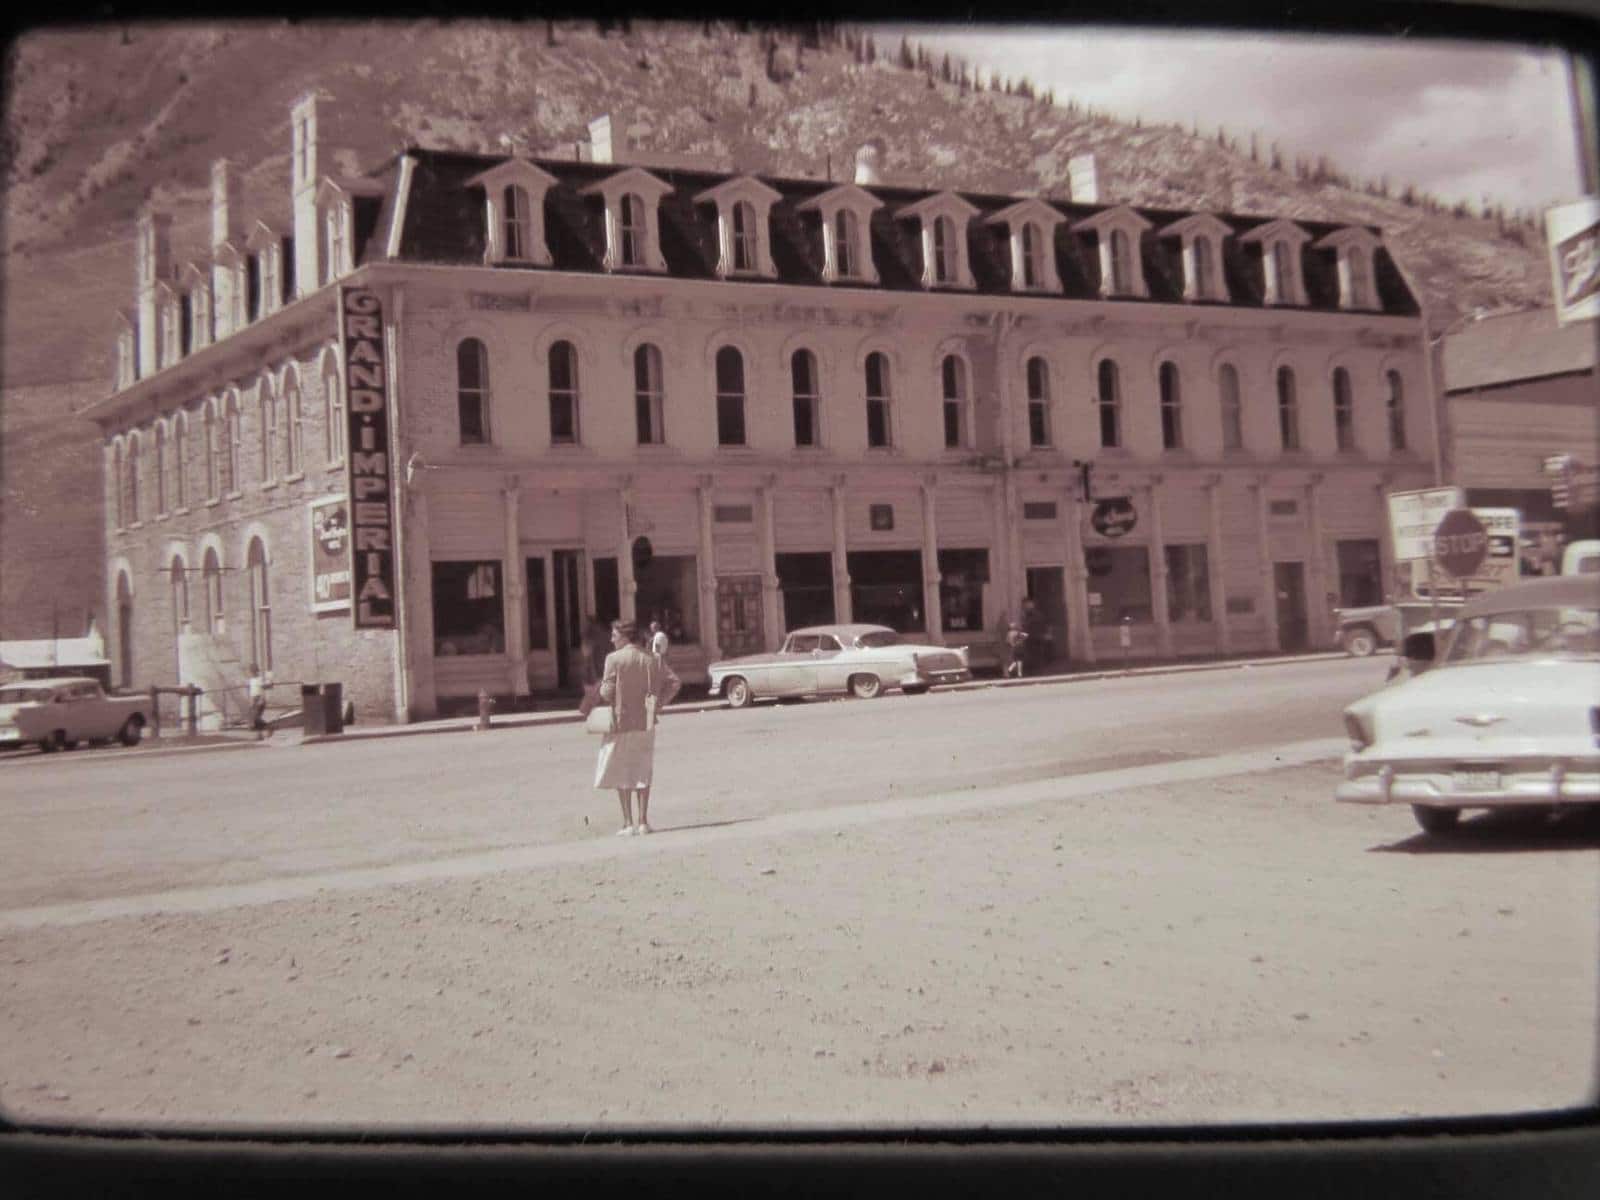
(1415, 516)
(1461, 543)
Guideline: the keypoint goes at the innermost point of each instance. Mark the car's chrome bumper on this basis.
(955, 675)
(1438, 786)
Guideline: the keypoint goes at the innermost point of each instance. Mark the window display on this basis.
(468, 608)
(1119, 577)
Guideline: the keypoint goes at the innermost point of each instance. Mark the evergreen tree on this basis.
(872, 50)
(944, 69)
(908, 60)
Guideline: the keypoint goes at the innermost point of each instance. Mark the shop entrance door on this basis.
(739, 624)
(1289, 580)
(1046, 590)
(567, 575)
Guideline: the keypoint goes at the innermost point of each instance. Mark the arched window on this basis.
(1171, 407)
(954, 371)
(880, 430)
(119, 484)
(1282, 267)
(472, 391)
(807, 400)
(632, 230)
(1344, 410)
(332, 411)
(1121, 263)
(180, 596)
(269, 433)
(648, 396)
(944, 250)
(124, 630)
(1038, 402)
(1205, 268)
(1288, 410)
(212, 433)
(211, 581)
(1232, 407)
(1032, 255)
(260, 606)
(730, 397)
(133, 479)
(230, 444)
(294, 430)
(744, 236)
(563, 394)
(844, 243)
(1360, 276)
(180, 460)
(516, 221)
(158, 474)
(1109, 401)
(1397, 412)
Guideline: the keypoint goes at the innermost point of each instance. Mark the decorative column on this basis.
(627, 601)
(931, 601)
(1269, 583)
(1317, 581)
(1017, 583)
(417, 624)
(1159, 600)
(708, 573)
(1080, 635)
(1003, 575)
(516, 589)
(1215, 573)
(841, 563)
(1386, 565)
(771, 606)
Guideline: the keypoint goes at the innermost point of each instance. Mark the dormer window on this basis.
(336, 248)
(633, 233)
(1202, 236)
(944, 219)
(846, 215)
(167, 318)
(744, 213)
(1355, 248)
(1280, 243)
(514, 194)
(265, 280)
(1032, 224)
(1118, 232)
(127, 352)
(196, 313)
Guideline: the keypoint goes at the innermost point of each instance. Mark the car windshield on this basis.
(1524, 633)
(24, 695)
(878, 637)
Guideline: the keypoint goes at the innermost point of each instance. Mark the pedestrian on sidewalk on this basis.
(658, 640)
(1016, 642)
(257, 687)
(636, 684)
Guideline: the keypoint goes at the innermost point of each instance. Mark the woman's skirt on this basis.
(625, 760)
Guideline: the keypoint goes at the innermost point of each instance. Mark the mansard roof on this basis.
(443, 223)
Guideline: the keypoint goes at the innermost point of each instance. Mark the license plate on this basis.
(1475, 779)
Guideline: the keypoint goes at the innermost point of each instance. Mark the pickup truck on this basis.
(1361, 631)
(57, 714)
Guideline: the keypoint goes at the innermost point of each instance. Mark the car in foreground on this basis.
(60, 712)
(1503, 711)
(825, 660)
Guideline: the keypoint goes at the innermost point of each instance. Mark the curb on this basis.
(520, 720)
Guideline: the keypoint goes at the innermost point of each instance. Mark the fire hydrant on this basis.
(485, 707)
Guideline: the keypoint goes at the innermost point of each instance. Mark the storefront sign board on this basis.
(370, 471)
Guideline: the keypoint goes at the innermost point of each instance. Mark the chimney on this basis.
(303, 181)
(1084, 189)
(600, 139)
(153, 264)
(226, 204)
(869, 163)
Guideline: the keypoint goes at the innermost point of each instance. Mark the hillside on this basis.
(97, 120)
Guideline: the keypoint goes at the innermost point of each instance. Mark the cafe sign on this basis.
(370, 470)
(1113, 517)
(330, 553)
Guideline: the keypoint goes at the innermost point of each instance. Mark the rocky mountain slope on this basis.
(100, 120)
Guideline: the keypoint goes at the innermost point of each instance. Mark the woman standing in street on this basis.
(636, 684)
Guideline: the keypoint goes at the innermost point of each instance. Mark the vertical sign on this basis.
(330, 553)
(372, 557)
(1573, 231)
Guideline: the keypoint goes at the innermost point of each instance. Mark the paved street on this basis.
(1125, 900)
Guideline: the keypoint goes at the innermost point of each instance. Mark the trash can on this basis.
(323, 707)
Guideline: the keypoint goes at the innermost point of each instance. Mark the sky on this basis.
(1460, 120)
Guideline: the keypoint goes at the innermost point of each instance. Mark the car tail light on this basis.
(1359, 739)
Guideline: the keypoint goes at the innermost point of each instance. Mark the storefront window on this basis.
(468, 608)
(1360, 576)
(962, 574)
(886, 588)
(668, 590)
(806, 583)
(1119, 584)
(1188, 584)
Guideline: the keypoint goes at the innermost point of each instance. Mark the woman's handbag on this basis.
(601, 719)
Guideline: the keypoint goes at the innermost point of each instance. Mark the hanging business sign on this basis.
(330, 553)
(370, 474)
(1113, 517)
(1573, 234)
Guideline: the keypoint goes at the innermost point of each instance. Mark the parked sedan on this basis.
(823, 660)
(1505, 715)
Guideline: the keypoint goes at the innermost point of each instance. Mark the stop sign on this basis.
(1461, 543)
